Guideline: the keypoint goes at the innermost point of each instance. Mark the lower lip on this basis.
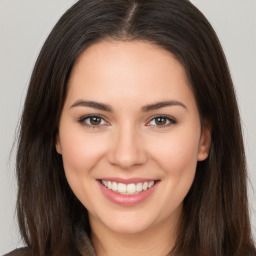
(127, 200)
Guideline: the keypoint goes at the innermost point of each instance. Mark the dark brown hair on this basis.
(215, 217)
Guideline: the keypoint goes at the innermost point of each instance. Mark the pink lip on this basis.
(127, 200)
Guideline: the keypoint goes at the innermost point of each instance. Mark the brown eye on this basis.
(92, 121)
(95, 120)
(161, 121)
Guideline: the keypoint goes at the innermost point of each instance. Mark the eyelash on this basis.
(168, 119)
(82, 121)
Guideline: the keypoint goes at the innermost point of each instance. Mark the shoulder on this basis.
(19, 252)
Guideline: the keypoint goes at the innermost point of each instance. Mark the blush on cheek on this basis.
(80, 153)
(177, 153)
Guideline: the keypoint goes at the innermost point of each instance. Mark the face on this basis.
(130, 135)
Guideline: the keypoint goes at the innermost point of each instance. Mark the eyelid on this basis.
(169, 118)
(82, 119)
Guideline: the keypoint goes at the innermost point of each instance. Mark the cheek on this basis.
(176, 153)
(176, 156)
(80, 152)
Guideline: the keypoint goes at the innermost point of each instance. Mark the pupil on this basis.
(161, 121)
(95, 120)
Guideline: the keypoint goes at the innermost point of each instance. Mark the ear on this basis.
(204, 143)
(58, 144)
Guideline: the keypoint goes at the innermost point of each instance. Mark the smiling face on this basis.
(130, 136)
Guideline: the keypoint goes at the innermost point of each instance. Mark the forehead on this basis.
(116, 69)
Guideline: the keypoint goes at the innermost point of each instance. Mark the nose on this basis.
(127, 148)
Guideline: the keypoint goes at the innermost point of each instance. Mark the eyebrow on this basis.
(163, 104)
(92, 104)
(107, 108)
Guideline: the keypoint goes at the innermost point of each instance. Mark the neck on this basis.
(156, 241)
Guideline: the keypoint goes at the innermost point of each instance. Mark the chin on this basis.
(129, 227)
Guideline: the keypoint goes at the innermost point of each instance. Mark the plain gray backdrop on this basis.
(25, 24)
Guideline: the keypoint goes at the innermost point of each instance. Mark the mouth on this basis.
(127, 192)
(130, 188)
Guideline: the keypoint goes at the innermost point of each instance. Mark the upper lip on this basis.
(127, 181)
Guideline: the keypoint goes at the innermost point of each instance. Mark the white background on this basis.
(25, 24)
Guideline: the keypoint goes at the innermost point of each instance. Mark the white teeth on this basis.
(139, 187)
(145, 186)
(150, 184)
(128, 189)
(131, 189)
(109, 185)
(121, 188)
(114, 186)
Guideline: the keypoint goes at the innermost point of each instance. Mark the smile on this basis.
(127, 192)
(128, 189)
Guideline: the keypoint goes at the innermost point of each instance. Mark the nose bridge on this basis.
(126, 147)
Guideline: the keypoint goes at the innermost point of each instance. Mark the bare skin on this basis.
(130, 114)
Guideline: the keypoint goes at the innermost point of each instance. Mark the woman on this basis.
(164, 175)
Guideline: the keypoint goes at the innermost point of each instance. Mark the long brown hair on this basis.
(215, 217)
